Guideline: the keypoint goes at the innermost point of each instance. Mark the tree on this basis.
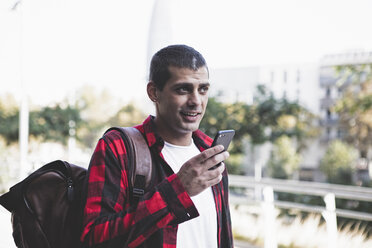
(50, 123)
(127, 116)
(355, 107)
(88, 117)
(53, 123)
(338, 162)
(274, 118)
(9, 123)
(267, 119)
(284, 117)
(220, 116)
(96, 108)
(284, 160)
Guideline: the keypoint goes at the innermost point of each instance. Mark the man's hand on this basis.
(194, 174)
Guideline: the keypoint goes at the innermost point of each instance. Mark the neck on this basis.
(178, 142)
(172, 136)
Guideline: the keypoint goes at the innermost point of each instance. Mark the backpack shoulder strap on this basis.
(140, 167)
(142, 159)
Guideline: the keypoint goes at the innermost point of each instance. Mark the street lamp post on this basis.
(24, 111)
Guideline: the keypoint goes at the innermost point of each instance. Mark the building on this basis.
(294, 82)
(332, 84)
(315, 86)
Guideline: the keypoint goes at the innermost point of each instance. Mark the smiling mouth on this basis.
(191, 114)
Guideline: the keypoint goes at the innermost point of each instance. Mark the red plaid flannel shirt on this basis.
(112, 220)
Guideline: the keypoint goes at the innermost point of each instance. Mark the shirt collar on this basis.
(148, 128)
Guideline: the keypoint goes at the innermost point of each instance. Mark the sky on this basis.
(49, 48)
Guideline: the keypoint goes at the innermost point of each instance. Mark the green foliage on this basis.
(9, 126)
(284, 117)
(127, 116)
(86, 119)
(96, 107)
(47, 123)
(266, 120)
(280, 116)
(284, 160)
(234, 164)
(220, 116)
(54, 123)
(338, 162)
(4, 167)
(355, 106)
(100, 110)
(9, 119)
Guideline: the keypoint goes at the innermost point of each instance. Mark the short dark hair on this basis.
(181, 56)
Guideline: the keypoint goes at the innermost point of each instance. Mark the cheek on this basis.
(177, 102)
(169, 106)
(205, 102)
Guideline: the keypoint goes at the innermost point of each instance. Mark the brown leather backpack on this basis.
(47, 206)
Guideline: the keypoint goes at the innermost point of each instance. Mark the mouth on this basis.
(190, 115)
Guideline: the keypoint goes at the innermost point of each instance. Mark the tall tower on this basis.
(160, 33)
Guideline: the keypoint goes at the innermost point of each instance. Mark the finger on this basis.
(216, 160)
(215, 181)
(215, 173)
(210, 152)
(217, 176)
(221, 168)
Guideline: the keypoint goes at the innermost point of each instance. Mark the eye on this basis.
(182, 90)
(204, 89)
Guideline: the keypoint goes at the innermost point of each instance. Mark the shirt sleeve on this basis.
(111, 219)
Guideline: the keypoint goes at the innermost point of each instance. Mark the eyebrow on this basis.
(205, 84)
(186, 84)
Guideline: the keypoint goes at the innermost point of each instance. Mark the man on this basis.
(187, 204)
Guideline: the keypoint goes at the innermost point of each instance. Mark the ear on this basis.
(152, 91)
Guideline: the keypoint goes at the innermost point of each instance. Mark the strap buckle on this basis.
(138, 192)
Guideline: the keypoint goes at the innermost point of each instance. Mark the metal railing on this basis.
(264, 190)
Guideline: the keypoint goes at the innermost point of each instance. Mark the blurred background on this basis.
(293, 78)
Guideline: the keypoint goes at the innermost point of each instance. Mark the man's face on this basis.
(180, 106)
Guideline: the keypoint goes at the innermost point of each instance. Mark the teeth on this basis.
(191, 114)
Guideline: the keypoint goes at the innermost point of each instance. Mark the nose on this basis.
(195, 99)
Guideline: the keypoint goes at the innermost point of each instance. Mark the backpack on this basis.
(47, 205)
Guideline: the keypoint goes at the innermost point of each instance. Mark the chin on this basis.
(191, 128)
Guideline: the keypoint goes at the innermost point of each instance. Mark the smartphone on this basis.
(223, 137)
